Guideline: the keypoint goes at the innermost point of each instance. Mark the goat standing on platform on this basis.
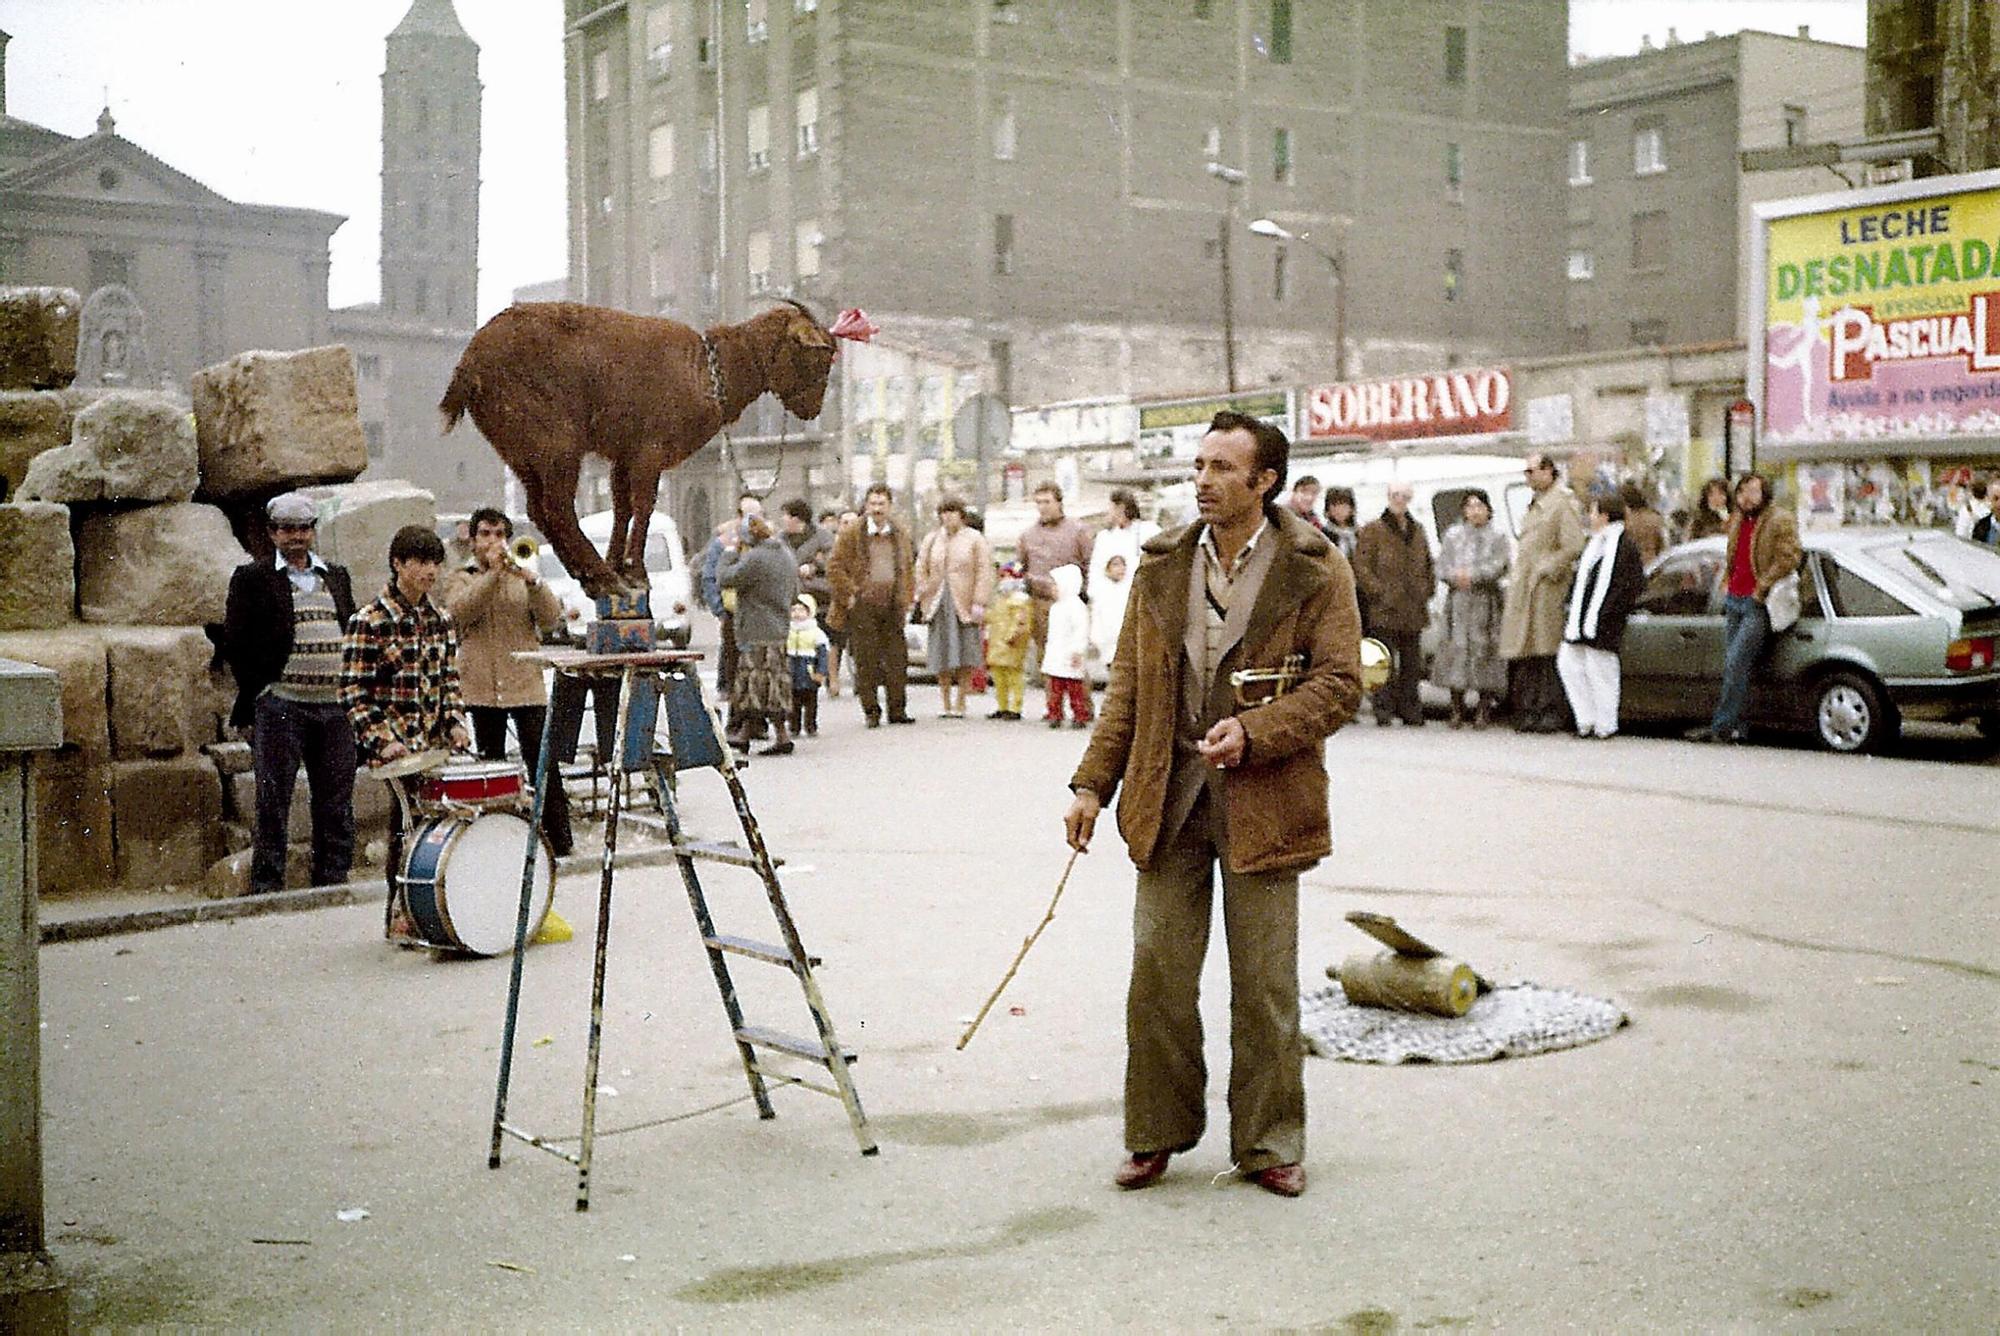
(549, 382)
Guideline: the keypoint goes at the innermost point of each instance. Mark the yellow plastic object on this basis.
(555, 928)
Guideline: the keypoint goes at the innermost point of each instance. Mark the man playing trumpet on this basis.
(500, 605)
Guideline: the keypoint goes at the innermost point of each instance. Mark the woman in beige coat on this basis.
(954, 579)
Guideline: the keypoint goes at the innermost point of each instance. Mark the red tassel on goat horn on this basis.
(853, 323)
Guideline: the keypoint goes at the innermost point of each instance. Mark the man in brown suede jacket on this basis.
(1221, 770)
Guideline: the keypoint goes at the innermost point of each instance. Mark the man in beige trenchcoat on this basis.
(1531, 622)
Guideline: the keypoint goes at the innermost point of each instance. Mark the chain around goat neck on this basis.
(729, 447)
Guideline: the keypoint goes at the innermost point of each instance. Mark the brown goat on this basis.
(549, 382)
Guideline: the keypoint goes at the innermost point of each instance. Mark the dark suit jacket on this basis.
(257, 627)
(1982, 528)
(1628, 581)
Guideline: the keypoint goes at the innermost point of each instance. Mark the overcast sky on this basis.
(279, 101)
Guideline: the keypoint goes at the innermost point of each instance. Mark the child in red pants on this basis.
(1068, 643)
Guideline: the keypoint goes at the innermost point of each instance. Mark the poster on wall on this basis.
(1822, 495)
(1880, 317)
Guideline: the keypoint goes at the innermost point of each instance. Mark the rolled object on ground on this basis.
(1438, 986)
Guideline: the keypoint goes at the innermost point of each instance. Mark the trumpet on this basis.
(524, 550)
(1259, 686)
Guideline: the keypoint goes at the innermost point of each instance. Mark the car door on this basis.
(1774, 691)
(1670, 661)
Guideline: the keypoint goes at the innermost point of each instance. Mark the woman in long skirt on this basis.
(1472, 560)
(954, 578)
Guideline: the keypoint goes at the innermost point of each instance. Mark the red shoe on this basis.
(1142, 1171)
(1283, 1180)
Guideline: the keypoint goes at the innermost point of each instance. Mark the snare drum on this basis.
(482, 784)
(462, 881)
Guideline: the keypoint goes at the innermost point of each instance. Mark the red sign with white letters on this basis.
(1460, 402)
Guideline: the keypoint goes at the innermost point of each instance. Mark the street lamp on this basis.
(1230, 178)
(1337, 261)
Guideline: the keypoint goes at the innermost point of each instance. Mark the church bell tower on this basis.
(430, 169)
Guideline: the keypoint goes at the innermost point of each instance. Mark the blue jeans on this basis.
(1746, 627)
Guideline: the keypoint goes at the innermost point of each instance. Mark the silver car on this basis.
(1895, 624)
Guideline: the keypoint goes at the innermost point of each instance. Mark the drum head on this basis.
(480, 890)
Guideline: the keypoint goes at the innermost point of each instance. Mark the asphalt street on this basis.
(1796, 1132)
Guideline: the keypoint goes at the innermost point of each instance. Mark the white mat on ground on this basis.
(1511, 1021)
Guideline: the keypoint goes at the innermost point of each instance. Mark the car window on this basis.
(1963, 574)
(1809, 605)
(1856, 597)
(1680, 586)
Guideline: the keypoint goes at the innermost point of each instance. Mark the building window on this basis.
(1795, 126)
(706, 175)
(660, 151)
(1005, 129)
(1649, 148)
(1454, 173)
(1280, 282)
(372, 433)
(1003, 243)
(758, 250)
(1281, 32)
(1000, 352)
(368, 366)
(1281, 156)
(1211, 142)
(807, 115)
(756, 21)
(1579, 162)
(600, 76)
(659, 41)
(806, 248)
(760, 138)
(1648, 333)
(1454, 55)
(1649, 241)
(108, 267)
(1454, 275)
(423, 215)
(423, 295)
(1582, 265)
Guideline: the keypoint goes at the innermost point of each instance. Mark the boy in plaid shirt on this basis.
(399, 667)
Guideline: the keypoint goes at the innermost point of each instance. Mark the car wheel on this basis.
(1989, 726)
(1849, 714)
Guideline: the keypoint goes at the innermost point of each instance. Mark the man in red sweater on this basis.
(1763, 549)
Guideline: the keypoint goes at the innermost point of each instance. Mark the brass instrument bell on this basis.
(524, 550)
(1378, 664)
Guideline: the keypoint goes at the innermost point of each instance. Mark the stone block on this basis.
(236, 836)
(73, 822)
(158, 699)
(229, 876)
(38, 328)
(129, 445)
(163, 565)
(357, 520)
(373, 807)
(31, 421)
(265, 421)
(37, 567)
(77, 656)
(166, 821)
(230, 758)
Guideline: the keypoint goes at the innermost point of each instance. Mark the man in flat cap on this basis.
(282, 635)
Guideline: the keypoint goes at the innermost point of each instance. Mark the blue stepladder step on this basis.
(690, 727)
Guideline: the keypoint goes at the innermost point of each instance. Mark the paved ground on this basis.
(1798, 1131)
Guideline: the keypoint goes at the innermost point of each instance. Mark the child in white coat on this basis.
(1068, 644)
(1107, 608)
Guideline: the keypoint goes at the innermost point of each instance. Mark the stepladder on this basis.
(666, 728)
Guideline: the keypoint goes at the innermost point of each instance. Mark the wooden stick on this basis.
(1022, 955)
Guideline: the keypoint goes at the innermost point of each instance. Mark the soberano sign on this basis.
(1880, 314)
(1461, 402)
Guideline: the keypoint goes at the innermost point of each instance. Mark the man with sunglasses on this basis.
(282, 635)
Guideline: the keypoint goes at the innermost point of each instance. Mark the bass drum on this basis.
(462, 882)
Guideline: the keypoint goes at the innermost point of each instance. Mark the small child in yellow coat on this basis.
(1007, 619)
